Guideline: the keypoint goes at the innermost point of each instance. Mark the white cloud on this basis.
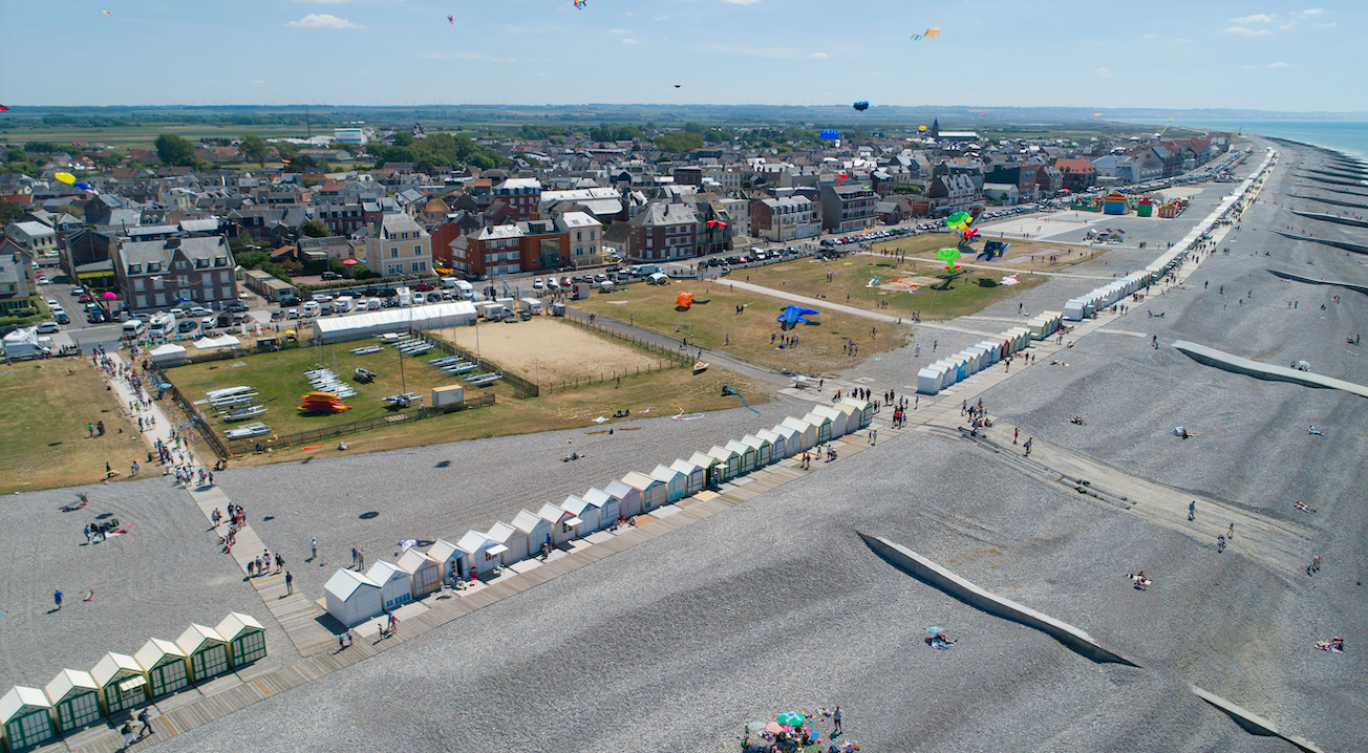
(1150, 36)
(619, 31)
(322, 21)
(629, 40)
(258, 82)
(662, 18)
(1257, 18)
(818, 55)
(1279, 65)
(1312, 12)
(1103, 72)
(1245, 32)
(629, 13)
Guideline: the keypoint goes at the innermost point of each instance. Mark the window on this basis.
(139, 283)
(249, 648)
(394, 252)
(135, 269)
(225, 276)
(159, 299)
(419, 266)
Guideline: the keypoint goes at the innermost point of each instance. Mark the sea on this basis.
(1344, 136)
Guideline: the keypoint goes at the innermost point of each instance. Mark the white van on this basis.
(449, 282)
(343, 304)
(310, 308)
(374, 304)
(162, 325)
(466, 290)
(134, 329)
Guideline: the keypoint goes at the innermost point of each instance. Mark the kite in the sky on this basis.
(3, 108)
(861, 106)
(66, 178)
(829, 134)
(729, 391)
(949, 255)
(580, 3)
(678, 86)
(921, 128)
(451, 20)
(928, 34)
(107, 12)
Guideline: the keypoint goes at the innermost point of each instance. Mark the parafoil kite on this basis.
(921, 128)
(451, 20)
(83, 186)
(678, 85)
(729, 391)
(829, 134)
(949, 255)
(580, 3)
(928, 34)
(107, 12)
(792, 315)
(66, 178)
(861, 106)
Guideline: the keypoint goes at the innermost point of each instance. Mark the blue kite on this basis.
(729, 391)
(829, 134)
(792, 315)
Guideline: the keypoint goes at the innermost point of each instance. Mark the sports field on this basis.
(550, 351)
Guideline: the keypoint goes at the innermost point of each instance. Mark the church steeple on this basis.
(935, 128)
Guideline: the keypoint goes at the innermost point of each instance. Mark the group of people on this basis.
(261, 565)
(1334, 644)
(236, 520)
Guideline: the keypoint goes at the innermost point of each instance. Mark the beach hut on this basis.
(164, 664)
(123, 684)
(852, 415)
(764, 450)
(978, 355)
(513, 541)
(27, 718)
(207, 650)
(482, 560)
(746, 453)
(534, 528)
(714, 469)
(1073, 309)
(694, 476)
(351, 597)
(424, 572)
(676, 483)
(395, 587)
(838, 419)
(246, 638)
(75, 699)
(454, 561)
(629, 497)
(586, 514)
(732, 458)
(929, 379)
(949, 372)
(864, 411)
(653, 491)
(778, 444)
(821, 423)
(806, 434)
(992, 350)
(562, 529)
(609, 507)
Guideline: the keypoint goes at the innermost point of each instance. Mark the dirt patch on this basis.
(551, 351)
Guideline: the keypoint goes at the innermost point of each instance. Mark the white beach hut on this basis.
(695, 476)
(852, 415)
(164, 663)
(730, 457)
(929, 379)
(821, 423)
(351, 597)
(863, 408)
(586, 514)
(454, 561)
(562, 529)
(746, 453)
(424, 572)
(26, 717)
(806, 434)
(123, 684)
(653, 491)
(75, 699)
(609, 507)
(676, 483)
(246, 638)
(837, 418)
(395, 586)
(629, 497)
(714, 469)
(764, 450)
(534, 528)
(206, 650)
(482, 560)
(513, 541)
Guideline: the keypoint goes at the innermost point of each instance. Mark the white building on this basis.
(586, 237)
(352, 597)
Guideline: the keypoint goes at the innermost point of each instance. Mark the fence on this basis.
(582, 319)
(365, 424)
(521, 387)
(186, 406)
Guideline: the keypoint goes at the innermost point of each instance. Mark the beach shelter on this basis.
(746, 453)
(821, 423)
(246, 638)
(653, 491)
(536, 530)
(764, 450)
(993, 350)
(482, 560)
(778, 444)
(694, 476)
(454, 561)
(585, 513)
(164, 663)
(929, 379)
(75, 699)
(27, 718)
(123, 684)
(792, 439)
(395, 588)
(714, 469)
(837, 418)
(513, 541)
(208, 652)
(863, 407)
(851, 415)
(629, 498)
(424, 572)
(609, 507)
(676, 483)
(731, 457)
(562, 529)
(351, 597)
(806, 434)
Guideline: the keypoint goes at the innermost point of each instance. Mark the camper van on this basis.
(134, 329)
(343, 304)
(465, 290)
(162, 325)
(449, 283)
(310, 308)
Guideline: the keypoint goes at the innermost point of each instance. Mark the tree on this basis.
(675, 143)
(10, 212)
(314, 229)
(255, 148)
(251, 259)
(174, 150)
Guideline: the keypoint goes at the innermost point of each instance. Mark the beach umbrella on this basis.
(773, 728)
(935, 629)
(792, 719)
(110, 296)
(350, 262)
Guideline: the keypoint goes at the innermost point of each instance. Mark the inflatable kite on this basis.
(83, 186)
(793, 315)
(969, 235)
(862, 106)
(993, 250)
(959, 219)
(580, 3)
(3, 108)
(729, 391)
(1010, 280)
(949, 255)
(921, 128)
(684, 300)
(829, 134)
(66, 178)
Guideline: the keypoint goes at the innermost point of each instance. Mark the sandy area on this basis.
(549, 351)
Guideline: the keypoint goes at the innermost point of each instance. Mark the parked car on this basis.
(235, 306)
(187, 326)
(47, 328)
(78, 290)
(330, 275)
(85, 298)
(424, 287)
(200, 311)
(62, 318)
(537, 284)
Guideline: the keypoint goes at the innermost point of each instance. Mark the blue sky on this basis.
(990, 53)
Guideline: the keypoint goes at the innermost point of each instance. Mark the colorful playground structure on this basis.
(1116, 203)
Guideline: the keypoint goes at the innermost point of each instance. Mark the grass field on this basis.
(43, 416)
(141, 137)
(712, 322)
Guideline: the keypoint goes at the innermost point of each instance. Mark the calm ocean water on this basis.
(1348, 137)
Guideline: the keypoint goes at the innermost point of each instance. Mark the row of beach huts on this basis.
(74, 700)
(352, 596)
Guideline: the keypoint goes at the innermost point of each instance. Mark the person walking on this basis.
(313, 549)
(145, 719)
(355, 556)
(1028, 446)
(1231, 533)
(1220, 543)
(1192, 510)
(836, 720)
(289, 583)
(361, 558)
(1016, 434)
(86, 531)
(57, 598)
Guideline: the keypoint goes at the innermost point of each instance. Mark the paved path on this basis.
(851, 310)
